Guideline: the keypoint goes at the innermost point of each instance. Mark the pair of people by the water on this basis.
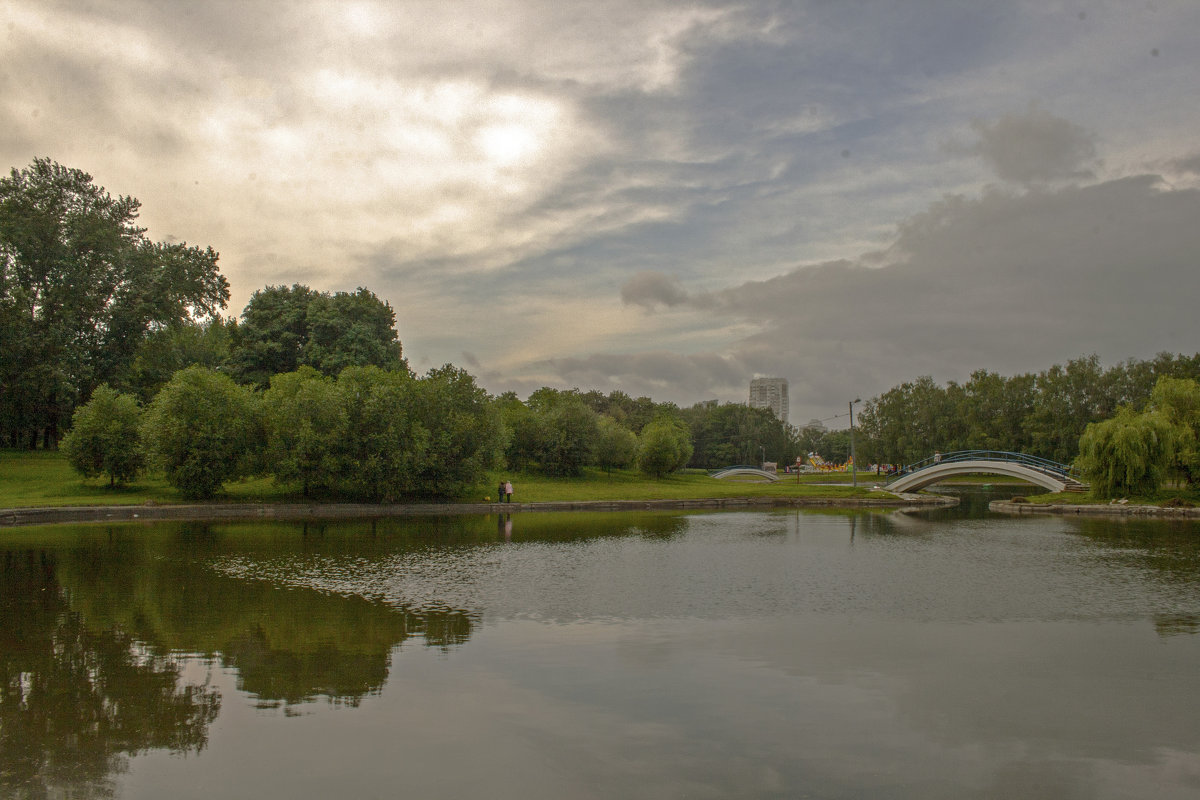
(504, 492)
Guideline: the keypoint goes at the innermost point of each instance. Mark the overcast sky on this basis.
(666, 198)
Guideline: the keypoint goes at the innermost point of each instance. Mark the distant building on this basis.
(815, 424)
(770, 393)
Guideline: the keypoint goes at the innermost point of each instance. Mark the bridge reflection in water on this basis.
(1051, 475)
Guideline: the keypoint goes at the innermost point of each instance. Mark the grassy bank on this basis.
(43, 478)
(31, 479)
(1163, 497)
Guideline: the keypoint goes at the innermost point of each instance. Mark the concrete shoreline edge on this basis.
(1100, 510)
(219, 512)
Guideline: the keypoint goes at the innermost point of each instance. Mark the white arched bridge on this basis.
(745, 471)
(1048, 474)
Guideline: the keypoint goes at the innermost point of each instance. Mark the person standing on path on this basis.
(500, 492)
(508, 491)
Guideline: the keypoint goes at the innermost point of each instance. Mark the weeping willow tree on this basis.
(1128, 454)
(1178, 400)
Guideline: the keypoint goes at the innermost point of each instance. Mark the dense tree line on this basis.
(724, 434)
(1041, 414)
(370, 434)
(559, 432)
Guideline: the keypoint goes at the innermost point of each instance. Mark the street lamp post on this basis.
(853, 460)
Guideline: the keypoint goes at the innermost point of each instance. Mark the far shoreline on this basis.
(222, 512)
(1094, 510)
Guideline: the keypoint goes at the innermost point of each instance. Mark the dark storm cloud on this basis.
(659, 374)
(1191, 164)
(648, 289)
(1004, 281)
(1035, 146)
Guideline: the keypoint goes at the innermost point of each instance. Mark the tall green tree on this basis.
(525, 435)
(166, 350)
(734, 433)
(286, 327)
(272, 334)
(80, 287)
(1178, 400)
(351, 329)
(1068, 399)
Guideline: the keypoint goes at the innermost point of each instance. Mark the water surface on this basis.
(951, 654)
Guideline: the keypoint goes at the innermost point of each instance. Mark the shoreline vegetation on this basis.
(36, 483)
(39, 486)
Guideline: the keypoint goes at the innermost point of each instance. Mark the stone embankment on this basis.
(1094, 510)
(217, 512)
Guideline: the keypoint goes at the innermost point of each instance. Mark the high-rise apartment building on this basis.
(770, 393)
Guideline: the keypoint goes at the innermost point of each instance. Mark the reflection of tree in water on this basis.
(530, 527)
(287, 644)
(76, 701)
(274, 666)
(1168, 550)
(1177, 624)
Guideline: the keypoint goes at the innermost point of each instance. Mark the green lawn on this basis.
(43, 478)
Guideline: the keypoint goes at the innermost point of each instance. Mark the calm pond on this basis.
(937, 654)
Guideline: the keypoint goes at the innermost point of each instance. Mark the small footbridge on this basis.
(1048, 474)
(744, 471)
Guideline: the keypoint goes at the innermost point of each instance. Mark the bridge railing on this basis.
(1033, 462)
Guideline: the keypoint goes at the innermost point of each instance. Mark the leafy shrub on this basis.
(202, 429)
(103, 439)
(305, 424)
(664, 447)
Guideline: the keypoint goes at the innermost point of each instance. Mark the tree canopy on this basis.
(80, 288)
(287, 327)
